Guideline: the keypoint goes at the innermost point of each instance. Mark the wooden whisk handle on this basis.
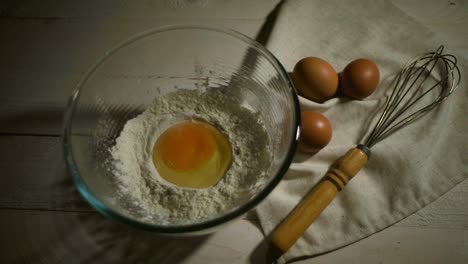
(297, 222)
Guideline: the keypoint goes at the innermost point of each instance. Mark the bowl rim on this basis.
(101, 207)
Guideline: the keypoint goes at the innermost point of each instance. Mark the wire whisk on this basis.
(409, 88)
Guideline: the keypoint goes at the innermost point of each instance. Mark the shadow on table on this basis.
(263, 252)
(89, 237)
(41, 122)
(83, 235)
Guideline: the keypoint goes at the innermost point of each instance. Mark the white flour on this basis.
(164, 203)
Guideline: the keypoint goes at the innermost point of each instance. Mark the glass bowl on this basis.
(124, 82)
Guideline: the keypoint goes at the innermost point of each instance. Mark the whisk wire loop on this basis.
(408, 88)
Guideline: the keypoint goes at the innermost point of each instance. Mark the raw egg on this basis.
(315, 79)
(360, 78)
(193, 154)
(316, 132)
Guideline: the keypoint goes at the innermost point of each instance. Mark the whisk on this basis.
(430, 74)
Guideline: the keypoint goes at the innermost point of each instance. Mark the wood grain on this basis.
(449, 212)
(317, 200)
(65, 237)
(200, 9)
(42, 63)
(45, 48)
(34, 176)
(51, 44)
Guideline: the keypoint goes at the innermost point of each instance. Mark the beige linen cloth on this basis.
(407, 170)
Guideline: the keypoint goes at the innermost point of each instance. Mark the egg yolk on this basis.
(192, 154)
(186, 146)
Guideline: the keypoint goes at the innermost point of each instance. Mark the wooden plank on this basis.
(41, 64)
(72, 45)
(50, 9)
(39, 236)
(450, 211)
(34, 176)
(59, 237)
(38, 73)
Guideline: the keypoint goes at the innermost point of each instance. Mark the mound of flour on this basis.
(156, 200)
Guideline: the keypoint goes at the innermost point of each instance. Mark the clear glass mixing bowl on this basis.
(126, 79)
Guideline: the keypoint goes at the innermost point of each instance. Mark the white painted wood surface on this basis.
(45, 46)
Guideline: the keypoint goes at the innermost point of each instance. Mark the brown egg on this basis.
(315, 79)
(359, 79)
(316, 132)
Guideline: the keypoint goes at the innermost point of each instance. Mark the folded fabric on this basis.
(407, 170)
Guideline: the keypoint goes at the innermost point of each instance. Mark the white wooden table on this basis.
(45, 46)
